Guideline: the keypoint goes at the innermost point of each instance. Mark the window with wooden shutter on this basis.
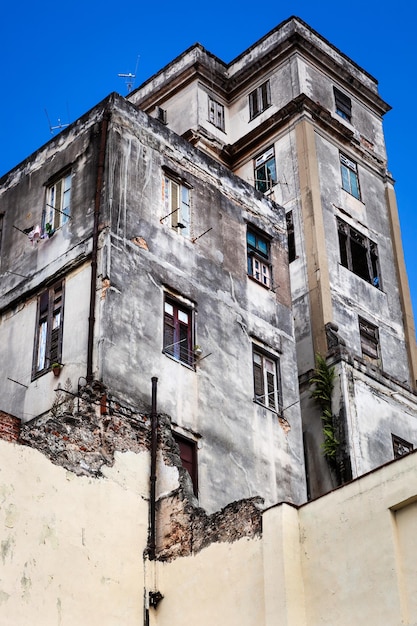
(178, 331)
(369, 341)
(266, 380)
(188, 456)
(259, 99)
(216, 113)
(48, 337)
(176, 197)
(343, 104)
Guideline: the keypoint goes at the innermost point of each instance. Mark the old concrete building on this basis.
(125, 256)
(173, 289)
(302, 123)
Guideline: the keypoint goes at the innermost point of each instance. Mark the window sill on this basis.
(189, 366)
(260, 113)
(268, 408)
(258, 282)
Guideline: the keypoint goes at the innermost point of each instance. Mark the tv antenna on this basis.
(130, 78)
(59, 126)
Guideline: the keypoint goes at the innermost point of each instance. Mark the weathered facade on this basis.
(172, 292)
(300, 121)
(120, 293)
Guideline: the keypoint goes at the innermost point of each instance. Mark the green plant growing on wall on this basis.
(323, 381)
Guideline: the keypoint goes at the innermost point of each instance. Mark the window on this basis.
(291, 237)
(266, 380)
(216, 113)
(258, 249)
(400, 447)
(161, 115)
(343, 104)
(58, 202)
(48, 342)
(177, 205)
(188, 456)
(350, 180)
(178, 331)
(359, 254)
(369, 341)
(259, 100)
(265, 171)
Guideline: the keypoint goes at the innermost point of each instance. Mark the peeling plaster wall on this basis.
(17, 328)
(259, 453)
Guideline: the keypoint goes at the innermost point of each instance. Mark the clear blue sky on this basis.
(66, 57)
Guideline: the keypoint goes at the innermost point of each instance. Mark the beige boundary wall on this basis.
(347, 558)
(71, 552)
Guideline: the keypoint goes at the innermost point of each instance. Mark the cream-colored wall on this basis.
(71, 552)
(71, 547)
(345, 558)
(221, 585)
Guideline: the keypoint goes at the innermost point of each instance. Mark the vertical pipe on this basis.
(97, 202)
(152, 497)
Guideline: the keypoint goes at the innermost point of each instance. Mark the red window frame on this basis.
(188, 456)
(178, 331)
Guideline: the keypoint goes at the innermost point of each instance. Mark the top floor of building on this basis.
(233, 107)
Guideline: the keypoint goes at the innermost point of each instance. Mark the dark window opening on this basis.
(259, 99)
(291, 237)
(358, 254)
(258, 250)
(343, 104)
(178, 331)
(48, 341)
(188, 456)
(401, 447)
(161, 115)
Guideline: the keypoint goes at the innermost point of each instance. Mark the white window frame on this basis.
(266, 379)
(176, 198)
(259, 257)
(264, 162)
(58, 202)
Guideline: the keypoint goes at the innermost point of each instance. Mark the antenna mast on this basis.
(130, 78)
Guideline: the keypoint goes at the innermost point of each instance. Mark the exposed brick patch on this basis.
(82, 434)
(183, 529)
(9, 427)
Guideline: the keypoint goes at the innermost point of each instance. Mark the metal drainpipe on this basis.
(152, 496)
(97, 202)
